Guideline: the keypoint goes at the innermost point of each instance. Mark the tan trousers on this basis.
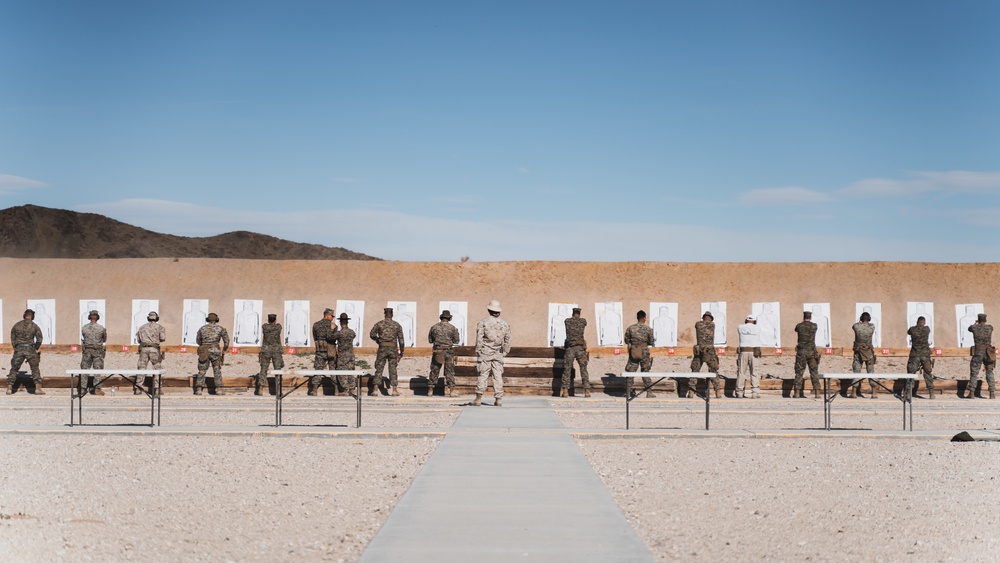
(485, 368)
(745, 364)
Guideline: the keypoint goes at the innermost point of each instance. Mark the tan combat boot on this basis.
(257, 391)
(564, 392)
(650, 395)
(478, 400)
(689, 394)
(850, 392)
(449, 391)
(993, 394)
(10, 388)
(395, 391)
(312, 391)
(718, 393)
(197, 390)
(39, 390)
(498, 402)
(817, 392)
(98, 391)
(586, 392)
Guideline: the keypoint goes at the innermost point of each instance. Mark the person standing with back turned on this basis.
(492, 344)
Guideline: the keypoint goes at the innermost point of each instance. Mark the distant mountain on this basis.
(30, 231)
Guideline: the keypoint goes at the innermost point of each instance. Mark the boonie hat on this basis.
(708, 314)
(446, 314)
(493, 306)
(94, 313)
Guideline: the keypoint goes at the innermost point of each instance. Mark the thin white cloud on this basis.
(10, 184)
(954, 181)
(401, 236)
(789, 195)
(523, 170)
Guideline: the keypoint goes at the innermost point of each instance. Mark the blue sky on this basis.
(689, 131)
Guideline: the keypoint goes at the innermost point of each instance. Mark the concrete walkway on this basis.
(492, 494)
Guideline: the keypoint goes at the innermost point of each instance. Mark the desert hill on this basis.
(30, 231)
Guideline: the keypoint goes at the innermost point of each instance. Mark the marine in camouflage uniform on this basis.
(492, 345)
(864, 353)
(326, 353)
(389, 336)
(442, 337)
(704, 352)
(576, 350)
(920, 353)
(345, 354)
(639, 337)
(26, 338)
(806, 354)
(983, 355)
(270, 352)
(208, 338)
(92, 337)
(149, 336)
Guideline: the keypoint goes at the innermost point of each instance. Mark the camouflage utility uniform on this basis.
(864, 353)
(492, 344)
(149, 336)
(93, 337)
(920, 355)
(576, 350)
(983, 355)
(806, 354)
(324, 338)
(209, 336)
(26, 338)
(270, 352)
(640, 335)
(443, 336)
(345, 357)
(704, 352)
(389, 335)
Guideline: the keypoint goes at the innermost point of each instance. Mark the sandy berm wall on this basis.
(523, 288)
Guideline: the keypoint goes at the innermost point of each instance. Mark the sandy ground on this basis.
(806, 500)
(155, 498)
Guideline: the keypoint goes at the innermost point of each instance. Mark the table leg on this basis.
(358, 401)
(159, 395)
(708, 402)
(71, 399)
(628, 398)
(277, 399)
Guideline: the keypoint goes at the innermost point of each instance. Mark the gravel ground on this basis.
(798, 500)
(52, 409)
(774, 413)
(155, 498)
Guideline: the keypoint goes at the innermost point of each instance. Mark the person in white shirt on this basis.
(747, 355)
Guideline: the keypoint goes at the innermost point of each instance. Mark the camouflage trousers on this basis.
(917, 362)
(980, 360)
(645, 364)
(321, 360)
(93, 358)
(23, 354)
(708, 356)
(485, 368)
(147, 355)
(857, 363)
(215, 360)
(267, 358)
(345, 361)
(580, 356)
(449, 369)
(390, 355)
(808, 357)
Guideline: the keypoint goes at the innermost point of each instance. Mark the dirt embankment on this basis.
(524, 289)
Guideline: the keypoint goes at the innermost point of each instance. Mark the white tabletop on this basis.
(688, 375)
(869, 375)
(320, 372)
(116, 371)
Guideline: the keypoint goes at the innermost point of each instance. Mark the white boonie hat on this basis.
(493, 306)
